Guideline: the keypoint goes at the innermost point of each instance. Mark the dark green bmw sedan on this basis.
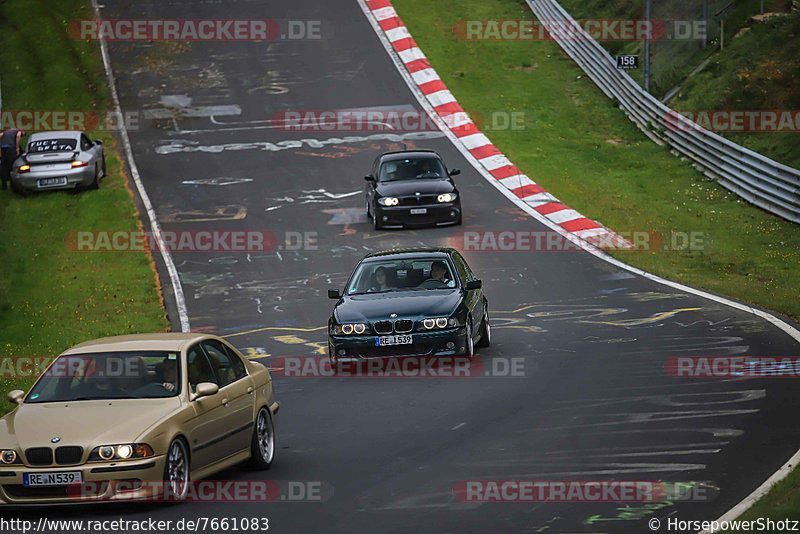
(412, 302)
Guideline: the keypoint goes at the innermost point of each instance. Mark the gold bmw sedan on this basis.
(138, 409)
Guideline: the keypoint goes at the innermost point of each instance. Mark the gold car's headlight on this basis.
(126, 451)
(9, 456)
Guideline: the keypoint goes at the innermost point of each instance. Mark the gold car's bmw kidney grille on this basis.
(39, 456)
(67, 455)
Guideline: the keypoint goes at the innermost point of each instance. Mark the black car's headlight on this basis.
(438, 323)
(389, 201)
(447, 197)
(126, 451)
(9, 456)
(348, 329)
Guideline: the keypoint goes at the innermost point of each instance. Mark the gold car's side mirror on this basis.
(205, 389)
(16, 396)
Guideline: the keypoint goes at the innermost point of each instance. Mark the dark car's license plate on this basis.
(419, 211)
(44, 182)
(382, 341)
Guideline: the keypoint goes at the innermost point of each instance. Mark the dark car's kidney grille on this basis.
(39, 455)
(69, 455)
(421, 200)
(383, 327)
(402, 326)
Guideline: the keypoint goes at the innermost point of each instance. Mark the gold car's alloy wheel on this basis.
(177, 470)
(265, 434)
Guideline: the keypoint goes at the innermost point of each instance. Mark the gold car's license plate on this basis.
(54, 478)
(393, 340)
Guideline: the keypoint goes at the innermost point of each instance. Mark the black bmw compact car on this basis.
(411, 188)
(412, 302)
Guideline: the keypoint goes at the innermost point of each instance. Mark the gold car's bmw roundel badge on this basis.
(55, 440)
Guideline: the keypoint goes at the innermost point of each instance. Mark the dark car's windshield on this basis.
(411, 169)
(109, 375)
(51, 145)
(401, 275)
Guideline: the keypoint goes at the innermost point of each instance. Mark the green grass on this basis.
(628, 184)
(585, 151)
(52, 297)
(781, 502)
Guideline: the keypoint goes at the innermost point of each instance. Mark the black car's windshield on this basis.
(411, 169)
(401, 275)
(109, 375)
(51, 145)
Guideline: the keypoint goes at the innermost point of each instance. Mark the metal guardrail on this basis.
(764, 182)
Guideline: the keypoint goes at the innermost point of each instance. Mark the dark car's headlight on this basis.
(9, 456)
(348, 329)
(389, 201)
(447, 197)
(439, 322)
(126, 451)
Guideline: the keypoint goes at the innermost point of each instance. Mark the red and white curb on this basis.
(470, 137)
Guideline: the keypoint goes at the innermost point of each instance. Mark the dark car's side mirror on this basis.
(473, 284)
(334, 294)
(98, 142)
(454, 172)
(369, 178)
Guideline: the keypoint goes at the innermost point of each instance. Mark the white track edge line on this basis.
(180, 300)
(781, 473)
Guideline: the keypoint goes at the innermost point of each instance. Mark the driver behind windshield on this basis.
(438, 278)
(427, 169)
(381, 280)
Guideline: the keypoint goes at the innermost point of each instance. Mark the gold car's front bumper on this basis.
(102, 481)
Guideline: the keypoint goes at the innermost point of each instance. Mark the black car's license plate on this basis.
(56, 478)
(383, 341)
(44, 182)
(419, 211)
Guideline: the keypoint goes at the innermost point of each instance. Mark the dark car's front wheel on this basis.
(262, 446)
(469, 343)
(176, 470)
(486, 329)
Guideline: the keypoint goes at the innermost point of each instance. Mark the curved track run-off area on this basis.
(590, 399)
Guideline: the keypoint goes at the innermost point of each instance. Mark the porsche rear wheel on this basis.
(262, 447)
(176, 470)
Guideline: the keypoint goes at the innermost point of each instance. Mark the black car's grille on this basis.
(422, 200)
(383, 327)
(69, 455)
(401, 326)
(39, 455)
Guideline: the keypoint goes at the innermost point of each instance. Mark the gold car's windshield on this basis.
(109, 375)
